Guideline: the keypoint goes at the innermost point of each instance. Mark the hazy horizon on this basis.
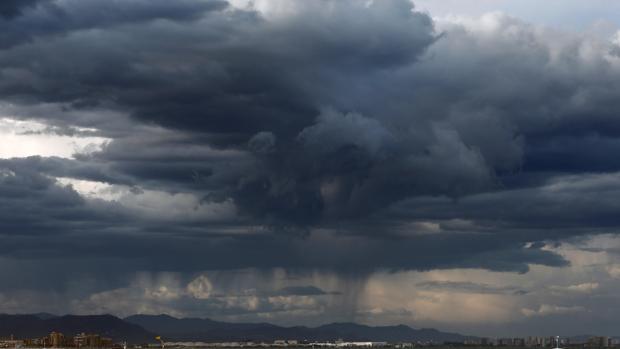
(540, 334)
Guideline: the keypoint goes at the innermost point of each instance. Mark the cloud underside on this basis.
(346, 136)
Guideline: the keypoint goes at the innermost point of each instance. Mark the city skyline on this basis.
(436, 163)
(139, 331)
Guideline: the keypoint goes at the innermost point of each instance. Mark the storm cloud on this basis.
(345, 137)
(13, 8)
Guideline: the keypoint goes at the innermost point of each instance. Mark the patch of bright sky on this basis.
(574, 15)
(570, 292)
(28, 138)
(95, 190)
(600, 17)
(154, 204)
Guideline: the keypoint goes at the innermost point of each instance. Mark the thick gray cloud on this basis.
(340, 136)
(52, 18)
(13, 8)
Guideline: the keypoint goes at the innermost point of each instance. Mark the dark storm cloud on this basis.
(590, 153)
(12, 8)
(303, 291)
(243, 76)
(43, 220)
(349, 137)
(563, 206)
(51, 18)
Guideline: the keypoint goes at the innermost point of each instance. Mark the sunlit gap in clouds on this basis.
(23, 138)
(154, 204)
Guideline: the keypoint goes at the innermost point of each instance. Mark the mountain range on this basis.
(206, 329)
(144, 328)
(40, 325)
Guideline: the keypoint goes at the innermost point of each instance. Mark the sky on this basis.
(448, 164)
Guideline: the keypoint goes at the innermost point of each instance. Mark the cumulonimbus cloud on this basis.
(333, 131)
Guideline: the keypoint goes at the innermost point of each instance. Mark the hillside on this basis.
(36, 325)
(195, 329)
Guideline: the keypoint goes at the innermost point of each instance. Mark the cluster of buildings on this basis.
(531, 342)
(83, 340)
(59, 340)
(276, 343)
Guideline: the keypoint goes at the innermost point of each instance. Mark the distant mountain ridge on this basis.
(195, 329)
(144, 328)
(40, 325)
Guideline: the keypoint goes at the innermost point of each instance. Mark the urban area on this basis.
(59, 340)
(83, 340)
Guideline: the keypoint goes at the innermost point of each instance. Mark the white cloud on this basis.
(162, 292)
(546, 309)
(154, 204)
(248, 303)
(30, 138)
(200, 287)
(614, 271)
(295, 302)
(565, 14)
(587, 287)
(147, 294)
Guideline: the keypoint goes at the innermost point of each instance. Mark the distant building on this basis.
(504, 342)
(535, 342)
(57, 340)
(11, 343)
(84, 340)
(599, 342)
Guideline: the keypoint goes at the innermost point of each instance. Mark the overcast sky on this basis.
(452, 165)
